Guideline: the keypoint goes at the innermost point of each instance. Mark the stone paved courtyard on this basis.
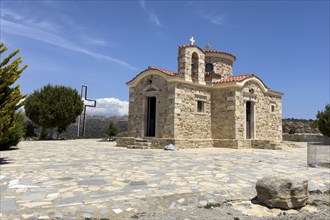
(79, 179)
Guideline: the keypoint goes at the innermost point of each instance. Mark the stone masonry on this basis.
(203, 105)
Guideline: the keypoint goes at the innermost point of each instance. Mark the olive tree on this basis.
(53, 107)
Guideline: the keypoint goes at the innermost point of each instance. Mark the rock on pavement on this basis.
(284, 192)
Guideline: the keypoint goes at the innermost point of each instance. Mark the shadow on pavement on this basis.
(5, 160)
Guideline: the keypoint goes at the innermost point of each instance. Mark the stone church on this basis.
(202, 105)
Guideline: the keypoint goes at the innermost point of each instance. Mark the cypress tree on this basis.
(10, 99)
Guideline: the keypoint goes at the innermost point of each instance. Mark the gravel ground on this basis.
(227, 212)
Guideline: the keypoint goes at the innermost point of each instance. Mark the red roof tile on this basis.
(216, 51)
(167, 72)
(234, 78)
(209, 51)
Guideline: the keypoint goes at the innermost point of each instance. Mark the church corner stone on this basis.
(203, 104)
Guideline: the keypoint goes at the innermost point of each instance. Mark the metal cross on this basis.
(192, 41)
(84, 90)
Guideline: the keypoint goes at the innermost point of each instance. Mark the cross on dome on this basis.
(192, 41)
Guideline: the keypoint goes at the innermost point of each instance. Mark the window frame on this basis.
(207, 65)
(272, 108)
(200, 106)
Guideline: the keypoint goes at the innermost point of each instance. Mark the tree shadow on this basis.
(5, 160)
(9, 149)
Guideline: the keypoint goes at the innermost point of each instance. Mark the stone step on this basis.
(137, 147)
(147, 144)
(140, 140)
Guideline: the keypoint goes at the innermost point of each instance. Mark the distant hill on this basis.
(96, 126)
(292, 125)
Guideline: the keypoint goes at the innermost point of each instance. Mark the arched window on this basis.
(194, 64)
(208, 67)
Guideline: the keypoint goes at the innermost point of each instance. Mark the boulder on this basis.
(284, 192)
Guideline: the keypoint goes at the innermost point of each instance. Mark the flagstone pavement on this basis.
(79, 179)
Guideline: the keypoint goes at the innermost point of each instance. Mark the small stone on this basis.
(87, 215)
(59, 216)
(23, 190)
(117, 211)
(203, 203)
(181, 200)
(34, 204)
(52, 195)
(129, 209)
(172, 205)
(43, 217)
(27, 215)
(309, 208)
(21, 186)
(8, 205)
(290, 212)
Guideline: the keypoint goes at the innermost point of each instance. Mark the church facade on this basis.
(202, 105)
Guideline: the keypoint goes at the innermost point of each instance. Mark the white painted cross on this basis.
(192, 41)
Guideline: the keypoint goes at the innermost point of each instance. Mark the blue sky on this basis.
(104, 44)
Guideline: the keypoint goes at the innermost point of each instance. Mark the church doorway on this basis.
(249, 123)
(151, 117)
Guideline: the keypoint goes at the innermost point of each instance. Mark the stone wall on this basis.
(221, 66)
(193, 111)
(188, 123)
(124, 141)
(160, 143)
(186, 66)
(223, 113)
(306, 138)
(267, 113)
(151, 86)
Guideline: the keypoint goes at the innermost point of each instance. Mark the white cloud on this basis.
(41, 31)
(154, 19)
(143, 4)
(214, 19)
(152, 15)
(109, 107)
(10, 14)
(97, 42)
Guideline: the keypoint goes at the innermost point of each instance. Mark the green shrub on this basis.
(292, 131)
(323, 121)
(112, 130)
(15, 135)
(30, 130)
